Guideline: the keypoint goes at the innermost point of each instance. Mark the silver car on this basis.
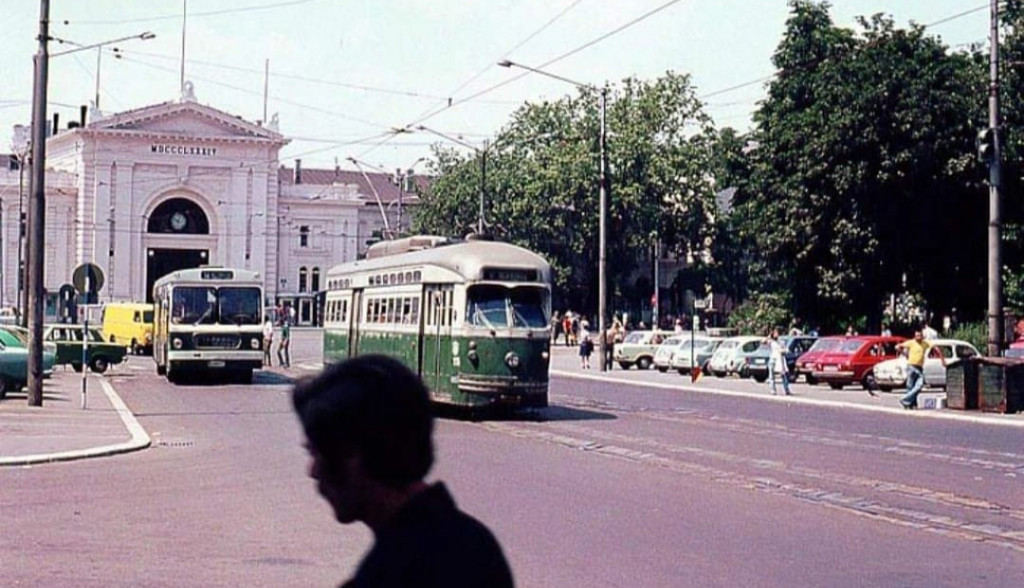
(663, 356)
(686, 356)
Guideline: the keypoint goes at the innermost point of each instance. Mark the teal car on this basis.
(68, 339)
(14, 360)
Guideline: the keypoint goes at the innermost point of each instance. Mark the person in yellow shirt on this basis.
(916, 350)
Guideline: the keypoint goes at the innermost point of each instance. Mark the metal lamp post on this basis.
(37, 200)
(602, 276)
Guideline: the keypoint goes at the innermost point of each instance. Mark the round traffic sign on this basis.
(88, 278)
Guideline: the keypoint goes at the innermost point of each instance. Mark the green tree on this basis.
(542, 183)
(864, 169)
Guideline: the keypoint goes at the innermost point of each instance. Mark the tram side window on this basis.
(344, 311)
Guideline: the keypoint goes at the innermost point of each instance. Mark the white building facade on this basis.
(180, 184)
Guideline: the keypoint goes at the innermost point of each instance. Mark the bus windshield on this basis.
(200, 305)
(498, 306)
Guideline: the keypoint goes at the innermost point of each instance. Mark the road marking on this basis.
(989, 419)
(942, 524)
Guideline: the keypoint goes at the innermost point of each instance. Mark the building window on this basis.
(315, 286)
(304, 236)
(303, 279)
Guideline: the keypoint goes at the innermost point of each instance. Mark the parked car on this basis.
(892, 373)
(703, 348)
(100, 354)
(804, 365)
(731, 356)
(14, 362)
(853, 360)
(668, 347)
(21, 334)
(795, 346)
(638, 348)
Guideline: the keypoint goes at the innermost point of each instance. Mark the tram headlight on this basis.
(511, 359)
(176, 343)
(472, 354)
(254, 343)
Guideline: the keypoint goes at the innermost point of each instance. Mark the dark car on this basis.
(100, 354)
(757, 363)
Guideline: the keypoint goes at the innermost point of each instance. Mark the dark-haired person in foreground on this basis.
(369, 432)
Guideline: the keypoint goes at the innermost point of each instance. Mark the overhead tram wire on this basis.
(574, 51)
(447, 100)
(258, 93)
(191, 15)
(331, 83)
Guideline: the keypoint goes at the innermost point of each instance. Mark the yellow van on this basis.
(130, 324)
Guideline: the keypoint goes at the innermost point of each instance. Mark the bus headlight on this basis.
(254, 343)
(176, 343)
(511, 359)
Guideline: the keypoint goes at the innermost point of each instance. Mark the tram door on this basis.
(355, 315)
(436, 349)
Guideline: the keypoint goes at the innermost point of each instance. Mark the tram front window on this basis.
(496, 306)
(528, 308)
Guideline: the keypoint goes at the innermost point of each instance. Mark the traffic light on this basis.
(986, 145)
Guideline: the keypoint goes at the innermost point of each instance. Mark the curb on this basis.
(993, 419)
(139, 438)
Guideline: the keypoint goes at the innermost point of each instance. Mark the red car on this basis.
(805, 363)
(852, 360)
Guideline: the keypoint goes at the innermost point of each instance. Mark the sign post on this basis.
(88, 281)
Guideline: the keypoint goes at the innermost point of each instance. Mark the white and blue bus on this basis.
(208, 319)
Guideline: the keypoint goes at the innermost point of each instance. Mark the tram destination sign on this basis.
(500, 274)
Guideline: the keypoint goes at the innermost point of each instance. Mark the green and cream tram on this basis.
(208, 319)
(471, 317)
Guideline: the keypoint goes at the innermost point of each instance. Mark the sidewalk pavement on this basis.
(60, 429)
(565, 362)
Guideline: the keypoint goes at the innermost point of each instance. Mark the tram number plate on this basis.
(216, 363)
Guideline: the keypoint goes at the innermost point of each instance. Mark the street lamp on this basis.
(482, 154)
(602, 279)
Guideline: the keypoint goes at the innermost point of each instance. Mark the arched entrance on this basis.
(177, 237)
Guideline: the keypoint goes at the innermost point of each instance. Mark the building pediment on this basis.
(185, 119)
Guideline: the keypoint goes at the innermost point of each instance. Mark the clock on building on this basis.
(178, 221)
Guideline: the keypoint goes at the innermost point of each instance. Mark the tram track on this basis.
(954, 514)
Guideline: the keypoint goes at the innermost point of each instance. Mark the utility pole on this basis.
(995, 261)
(483, 187)
(37, 213)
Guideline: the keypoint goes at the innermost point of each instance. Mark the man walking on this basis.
(284, 356)
(916, 350)
(369, 429)
(777, 363)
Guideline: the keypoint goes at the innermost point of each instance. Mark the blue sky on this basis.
(344, 72)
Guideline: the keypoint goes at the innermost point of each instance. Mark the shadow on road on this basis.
(551, 413)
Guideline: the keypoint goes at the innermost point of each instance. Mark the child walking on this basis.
(586, 349)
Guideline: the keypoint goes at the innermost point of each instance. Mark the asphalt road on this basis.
(614, 485)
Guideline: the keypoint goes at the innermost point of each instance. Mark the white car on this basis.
(892, 373)
(703, 348)
(731, 355)
(668, 347)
